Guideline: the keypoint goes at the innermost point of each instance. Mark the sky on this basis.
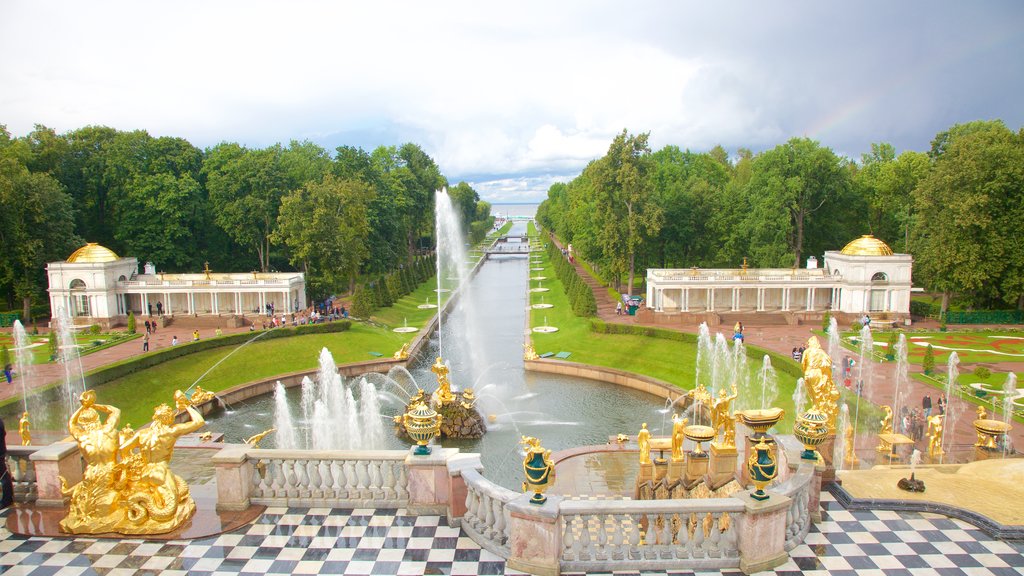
(513, 96)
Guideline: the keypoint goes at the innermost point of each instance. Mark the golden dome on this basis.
(92, 253)
(867, 245)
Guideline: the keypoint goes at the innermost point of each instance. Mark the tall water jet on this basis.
(283, 421)
(70, 360)
(721, 365)
(370, 415)
(740, 373)
(453, 276)
(952, 406)
(799, 397)
(865, 374)
(705, 355)
(902, 385)
(834, 345)
(1009, 393)
(840, 448)
(769, 383)
(22, 360)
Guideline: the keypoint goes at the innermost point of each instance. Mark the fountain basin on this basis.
(545, 329)
(539, 289)
(426, 306)
(542, 306)
(405, 329)
(761, 420)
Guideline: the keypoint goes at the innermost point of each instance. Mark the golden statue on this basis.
(254, 440)
(982, 413)
(935, 435)
(468, 399)
(123, 436)
(849, 455)
(200, 396)
(25, 429)
(817, 367)
(96, 504)
(403, 352)
(538, 468)
(529, 353)
(886, 428)
(443, 394)
(643, 439)
(701, 395)
(720, 416)
(729, 425)
(127, 487)
(678, 424)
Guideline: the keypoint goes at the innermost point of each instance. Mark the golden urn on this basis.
(989, 431)
(760, 421)
(698, 434)
(811, 429)
(762, 468)
(539, 469)
(422, 423)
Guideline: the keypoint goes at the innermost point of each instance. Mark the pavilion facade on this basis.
(864, 277)
(96, 286)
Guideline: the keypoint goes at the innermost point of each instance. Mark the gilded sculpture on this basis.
(25, 429)
(402, 353)
(128, 486)
(255, 439)
(721, 419)
(538, 468)
(817, 367)
(678, 424)
(200, 396)
(529, 352)
(443, 395)
(935, 435)
(643, 440)
(849, 454)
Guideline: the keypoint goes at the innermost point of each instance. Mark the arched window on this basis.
(121, 278)
(879, 277)
(77, 284)
(79, 302)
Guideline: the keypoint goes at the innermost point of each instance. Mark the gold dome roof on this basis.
(867, 245)
(92, 253)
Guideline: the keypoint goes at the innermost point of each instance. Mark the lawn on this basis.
(88, 343)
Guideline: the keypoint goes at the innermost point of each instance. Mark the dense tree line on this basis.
(581, 297)
(343, 218)
(957, 209)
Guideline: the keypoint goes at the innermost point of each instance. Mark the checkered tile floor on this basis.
(365, 541)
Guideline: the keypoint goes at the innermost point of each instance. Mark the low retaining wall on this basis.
(659, 388)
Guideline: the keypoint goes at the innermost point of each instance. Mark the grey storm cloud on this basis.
(514, 96)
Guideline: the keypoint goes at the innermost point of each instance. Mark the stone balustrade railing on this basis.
(487, 517)
(650, 534)
(798, 488)
(317, 478)
(23, 473)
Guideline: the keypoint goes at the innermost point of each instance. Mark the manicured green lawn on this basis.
(88, 343)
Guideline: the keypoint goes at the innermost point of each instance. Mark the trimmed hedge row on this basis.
(131, 365)
(779, 362)
(581, 297)
(387, 289)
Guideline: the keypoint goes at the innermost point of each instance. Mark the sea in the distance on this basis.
(506, 210)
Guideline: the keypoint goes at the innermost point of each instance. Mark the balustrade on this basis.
(318, 478)
(487, 517)
(23, 473)
(798, 516)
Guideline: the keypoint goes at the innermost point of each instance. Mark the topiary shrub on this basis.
(982, 373)
(928, 363)
(95, 329)
(826, 320)
(131, 323)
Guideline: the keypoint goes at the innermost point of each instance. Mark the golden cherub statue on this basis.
(25, 429)
(199, 396)
(529, 353)
(403, 352)
(817, 367)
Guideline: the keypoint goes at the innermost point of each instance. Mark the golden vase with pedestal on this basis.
(811, 429)
(989, 431)
(538, 468)
(698, 434)
(760, 421)
(422, 423)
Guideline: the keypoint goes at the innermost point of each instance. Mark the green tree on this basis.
(928, 362)
(246, 188)
(326, 229)
(888, 183)
(131, 322)
(36, 227)
(971, 243)
(157, 217)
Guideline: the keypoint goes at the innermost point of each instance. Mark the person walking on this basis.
(174, 340)
(148, 328)
(618, 309)
(145, 342)
(926, 405)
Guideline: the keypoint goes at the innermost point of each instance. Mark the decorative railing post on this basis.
(233, 471)
(535, 545)
(23, 474)
(429, 483)
(761, 532)
(52, 462)
(457, 489)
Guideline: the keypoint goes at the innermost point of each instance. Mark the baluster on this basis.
(714, 551)
(291, 478)
(568, 539)
(316, 489)
(634, 552)
(326, 479)
(682, 536)
(506, 514)
(602, 538)
(389, 481)
(488, 516)
(619, 551)
(697, 547)
(280, 483)
(473, 508)
(665, 538)
(302, 477)
(337, 480)
(499, 520)
(376, 480)
(586, 547)
(362, 480)
(403, 482)
(350, 480)
(728, 540)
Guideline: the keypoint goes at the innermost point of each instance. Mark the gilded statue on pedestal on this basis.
(128, 486)
(720, 416)
(678, 424)
(935, 435)
(402, 353)
(25, 429)
(643, 440)
(817, 367)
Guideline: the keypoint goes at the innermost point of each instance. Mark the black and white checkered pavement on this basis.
(388, 541)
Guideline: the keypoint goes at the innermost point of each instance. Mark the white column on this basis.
(709, 304)
(167, 303)
(145, 303)
(684, 294)
(214, 304)
(263, 302)
(735, 299)
(810, 299)
(785, 299)
(287, 302)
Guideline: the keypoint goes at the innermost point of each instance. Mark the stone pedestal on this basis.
(761, 532)
(51, 462)
(457, 490)
(814, 492)
(535, 545)
(722, 465)
(827, 451)
(429, 483)
(233, 471)
(646, 473)
(676, 469)
(696, 467)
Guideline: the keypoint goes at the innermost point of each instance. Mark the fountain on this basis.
(952, 413)
(834, 344)
(23, 364)
(1009, 393)
(865, 375)
(902, 386)
(769, 383)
